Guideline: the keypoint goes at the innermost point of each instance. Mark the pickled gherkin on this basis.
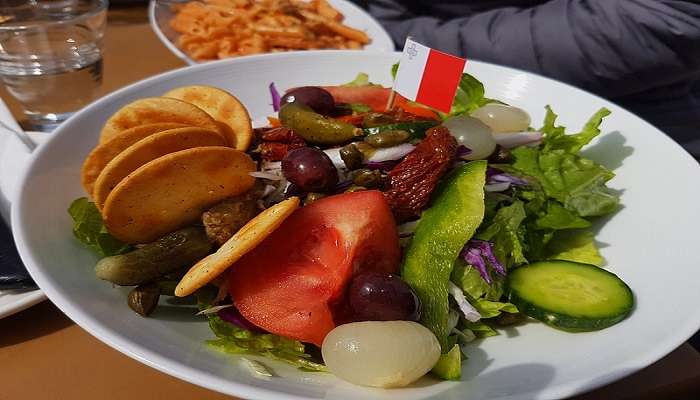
(170, 253)
(316, 128)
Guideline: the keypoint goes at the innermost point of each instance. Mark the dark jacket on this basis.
(642, 54)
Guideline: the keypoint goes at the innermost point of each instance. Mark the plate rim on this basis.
(197, 377)
(184, 57)
(29, 298)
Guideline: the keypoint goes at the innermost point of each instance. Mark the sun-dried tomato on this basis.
(277, 142)
(413, 180)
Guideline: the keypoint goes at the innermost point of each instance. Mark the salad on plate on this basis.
(349, 236)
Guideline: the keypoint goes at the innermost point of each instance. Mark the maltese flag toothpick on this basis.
(428, 76)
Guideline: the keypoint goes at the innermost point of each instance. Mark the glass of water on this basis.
(51, 56)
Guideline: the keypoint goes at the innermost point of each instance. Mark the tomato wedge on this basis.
(376, 98)
(292, 283)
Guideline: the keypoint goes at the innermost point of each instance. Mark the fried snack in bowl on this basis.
(156, 110)
(149, 149)
(216, 29)
(101, 155)
(232, 117)
(173, 191)
(243, 241)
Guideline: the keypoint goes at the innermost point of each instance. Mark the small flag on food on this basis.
(428, 76)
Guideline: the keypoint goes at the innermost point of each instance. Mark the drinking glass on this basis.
(51, 56)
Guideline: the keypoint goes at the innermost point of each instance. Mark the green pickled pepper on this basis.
(456, 212)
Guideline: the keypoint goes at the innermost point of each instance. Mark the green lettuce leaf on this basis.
(556, 139)
(473, 285)
(480, 329)
(576, 182)
(362, 79)
(89, 229)
(575, 245)
(556, 217)
(490, 309)
(236, 340)
(505, 232)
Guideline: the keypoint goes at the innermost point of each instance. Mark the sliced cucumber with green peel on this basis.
(569, 295)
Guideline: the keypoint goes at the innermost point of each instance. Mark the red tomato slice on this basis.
(376, 98)
(292, 282)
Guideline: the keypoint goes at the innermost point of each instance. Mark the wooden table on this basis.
(44, 355)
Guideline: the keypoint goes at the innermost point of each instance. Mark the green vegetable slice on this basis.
(456, 212)
(415, 129)
(449, 366)
(570, 295)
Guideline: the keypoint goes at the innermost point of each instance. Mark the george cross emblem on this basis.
(412, 51)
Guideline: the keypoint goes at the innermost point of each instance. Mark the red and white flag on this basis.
(428, 76)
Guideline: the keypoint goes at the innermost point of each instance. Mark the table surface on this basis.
(45, 355)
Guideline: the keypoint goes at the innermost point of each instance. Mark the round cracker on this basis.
(156, 110)
(243, 241)
(105, 152)
(148, 149)
(225, 108)
(174, 190)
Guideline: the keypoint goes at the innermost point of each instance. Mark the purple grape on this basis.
(382, 297)
(310, 169)
(318, 99)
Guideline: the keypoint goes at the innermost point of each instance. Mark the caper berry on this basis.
(311, 197)
(352, 156)
(143, 299)
(355, 188)
(388, 138)
(367, 178)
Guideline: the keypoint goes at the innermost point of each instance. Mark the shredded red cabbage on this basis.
(232, 315)
(383, 165)
(276, 98)
(479, 254)
(496, 176)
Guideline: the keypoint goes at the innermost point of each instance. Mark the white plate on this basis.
(651, 243)
(14, 301)
(160, 14)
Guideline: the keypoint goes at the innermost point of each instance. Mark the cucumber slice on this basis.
(569, 295)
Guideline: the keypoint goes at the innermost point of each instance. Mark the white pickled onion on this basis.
(514, 139)
(265, 175)
(334, 155)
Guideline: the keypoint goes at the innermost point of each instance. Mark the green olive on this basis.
(316, 128)
(388, 138)
(352, 156)
(367, 178)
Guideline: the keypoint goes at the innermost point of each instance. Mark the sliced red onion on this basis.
(391, 153)
(383, 165)
(265, 175)
(496, 187)
(233, 316)
(462, 151)
(276, 98)
(407, 229)
(514, 139)
(341, 186)
(507, 178)
(470, 313)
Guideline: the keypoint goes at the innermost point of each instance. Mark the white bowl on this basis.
(651, 243)
(160, 14)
